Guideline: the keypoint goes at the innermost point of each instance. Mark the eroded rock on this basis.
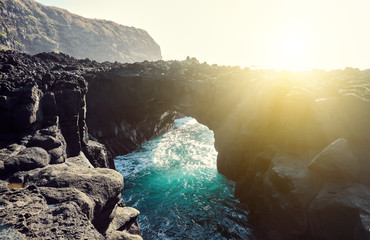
(79, 161)
(124, 224)
(68, 194)
(98, 155)
(26, 211)
(103, 186)
(43, 121)
(279, 197)
(63, 220)
(336, 160)
(341, 210)
(30, 158)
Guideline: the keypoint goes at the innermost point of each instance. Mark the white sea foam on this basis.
(173, 181)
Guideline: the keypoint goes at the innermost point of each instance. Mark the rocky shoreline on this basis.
(51, 185)
(296, 144)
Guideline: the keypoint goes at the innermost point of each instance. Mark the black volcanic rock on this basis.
(30, 158)
(270, 131)
(31, 27)
(276, 134)
(26, 210)
(64, 220)
(337, 159)
(341, 210)
(103, 186)
(42, 160)
(55, 195)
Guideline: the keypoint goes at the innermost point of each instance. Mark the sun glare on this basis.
(291, 46)
(290, 50)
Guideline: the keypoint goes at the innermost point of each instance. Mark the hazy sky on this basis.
(293, 34)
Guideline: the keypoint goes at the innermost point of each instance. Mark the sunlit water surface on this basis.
(173, 181)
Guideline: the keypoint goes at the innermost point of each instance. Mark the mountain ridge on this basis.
(31, 27)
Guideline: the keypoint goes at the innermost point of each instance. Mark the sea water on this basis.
(173, 181)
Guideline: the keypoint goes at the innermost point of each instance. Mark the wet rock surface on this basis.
(295, 143)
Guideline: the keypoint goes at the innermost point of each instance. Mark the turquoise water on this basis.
(173, 181)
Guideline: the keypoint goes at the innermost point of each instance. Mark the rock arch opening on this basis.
(173, 181)
(268, 127)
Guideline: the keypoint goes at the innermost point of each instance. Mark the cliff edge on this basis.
(296, 144)
(50, 183)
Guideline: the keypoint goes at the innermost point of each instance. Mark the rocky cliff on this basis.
(296, 144)
(49, 188)
(28, 26)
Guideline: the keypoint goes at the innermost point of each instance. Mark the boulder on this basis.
(341, 210)
(46, 142)
(124, 225)
(43, 121)
(124, 218)
(27, 159)
(278, 197)
(102, 186)
(57, 155)
(53, 142)
(79, 161)
(336, 160)
(61, 195)
(27, 111)
(97, 154)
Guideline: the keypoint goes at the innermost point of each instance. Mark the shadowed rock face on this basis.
(296, 144)
(282, 137)
(49, 188)
(31, 27)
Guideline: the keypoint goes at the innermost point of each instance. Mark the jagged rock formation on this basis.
(33, 28)
(49, 188)
(296, 144)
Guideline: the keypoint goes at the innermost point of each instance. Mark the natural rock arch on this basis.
(296, 144)
(267, 128)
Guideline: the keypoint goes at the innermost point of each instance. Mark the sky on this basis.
(281, 34)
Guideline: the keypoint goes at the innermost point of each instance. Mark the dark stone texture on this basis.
(60, 195)
(44, 108)
(275, 132)
(103, 186)
(341, 210)
(336, 160)
(27, 211)
(120, 115)
(98, 155)
(30, 158)
(124, 224)
(64, 220)
(269, 128)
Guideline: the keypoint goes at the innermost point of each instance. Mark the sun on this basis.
(291, 46)
(290, 50)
